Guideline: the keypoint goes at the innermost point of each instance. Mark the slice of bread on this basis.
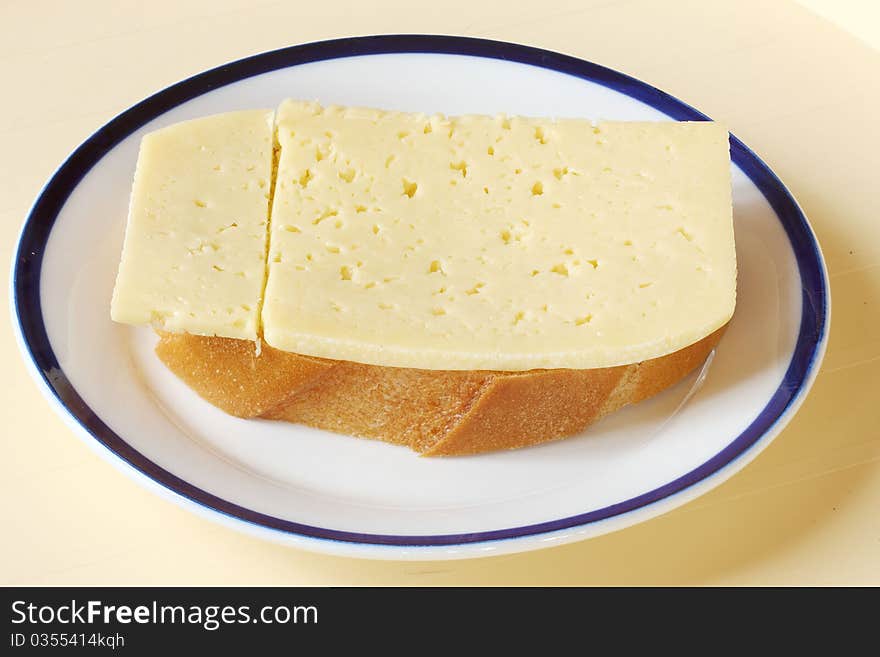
(434, 412)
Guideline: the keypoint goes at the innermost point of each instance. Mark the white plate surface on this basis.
(365, 498)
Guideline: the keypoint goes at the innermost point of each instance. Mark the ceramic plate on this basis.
(341, 495)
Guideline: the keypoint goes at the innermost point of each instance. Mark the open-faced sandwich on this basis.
(457, 285)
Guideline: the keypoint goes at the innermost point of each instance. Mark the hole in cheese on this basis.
(325, 214)
(685, 234)
(460, 167)
(409, 188)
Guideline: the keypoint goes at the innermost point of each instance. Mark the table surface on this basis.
(798, 82)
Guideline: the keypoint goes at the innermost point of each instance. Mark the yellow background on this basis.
(800, 83)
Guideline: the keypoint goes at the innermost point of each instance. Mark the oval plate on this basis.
(341, 495)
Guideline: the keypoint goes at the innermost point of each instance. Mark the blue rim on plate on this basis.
(38, 226)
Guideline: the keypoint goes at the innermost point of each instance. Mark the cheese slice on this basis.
(194, 257)
(496, 243)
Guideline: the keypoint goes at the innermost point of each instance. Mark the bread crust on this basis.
(434, 412)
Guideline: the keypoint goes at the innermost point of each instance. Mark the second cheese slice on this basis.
(493, 243)
(194, 257)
